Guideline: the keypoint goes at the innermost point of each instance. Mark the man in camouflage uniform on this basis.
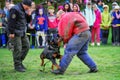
(17, 26)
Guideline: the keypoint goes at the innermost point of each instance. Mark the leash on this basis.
(43, 70)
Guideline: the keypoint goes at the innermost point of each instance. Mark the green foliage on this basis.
(106, 57)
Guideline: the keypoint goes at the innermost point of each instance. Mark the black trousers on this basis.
(105, 34)
(116, 35)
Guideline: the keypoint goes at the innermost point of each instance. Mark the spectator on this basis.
(1, 12)
(89, 15)
(52, 3)
(119, 27)
(31, 27)
(96, 27)
(6, 9)
(60, 7)
(86, 1)
(79, 1)
(94, 1)
(67, 1)
(5, 20)
(100, 5)
(52, 21)
(76, 1)
(106, 23)
(114, 4)
(111, 13)
(67, 7)
(41, 26)
(115, 25)
(76, 8)
(3, 25)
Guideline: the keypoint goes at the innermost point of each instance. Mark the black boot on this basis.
(23, 66)
(19, 68)
(93, 70)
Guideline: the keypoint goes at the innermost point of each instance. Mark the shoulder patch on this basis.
(13, 16)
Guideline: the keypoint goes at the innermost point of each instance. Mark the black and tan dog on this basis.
(52, 51)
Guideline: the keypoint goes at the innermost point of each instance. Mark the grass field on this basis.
(106, 57)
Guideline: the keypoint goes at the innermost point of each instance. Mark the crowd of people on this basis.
(44, 21)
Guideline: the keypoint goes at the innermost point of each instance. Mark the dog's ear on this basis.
(49, 38)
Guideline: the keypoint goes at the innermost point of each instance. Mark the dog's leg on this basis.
(57, 66)
(42, 60)
(52, 67)
(60, 57)
(53, 60)
(42, 63)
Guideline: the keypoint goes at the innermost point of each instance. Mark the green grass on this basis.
(106, 57)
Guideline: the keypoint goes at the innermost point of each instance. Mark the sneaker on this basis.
(118, 44)
(113, 44)
(4, 46)
(58, 71)
(98, 44)
(92, 44)
(32, 47)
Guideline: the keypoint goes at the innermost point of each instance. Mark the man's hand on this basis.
(0, 24)
(11, 35)
(31, 27)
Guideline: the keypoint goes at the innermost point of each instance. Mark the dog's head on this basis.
(54, 40)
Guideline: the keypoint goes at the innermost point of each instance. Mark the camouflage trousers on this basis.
(20, 47)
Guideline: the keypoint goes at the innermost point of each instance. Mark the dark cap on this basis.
(27, 2)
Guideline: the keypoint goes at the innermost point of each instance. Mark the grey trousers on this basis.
(21, 47)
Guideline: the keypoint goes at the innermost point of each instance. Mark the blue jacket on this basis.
(41, 23)
(115, 20)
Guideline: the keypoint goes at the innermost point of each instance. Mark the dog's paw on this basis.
(41, 64)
